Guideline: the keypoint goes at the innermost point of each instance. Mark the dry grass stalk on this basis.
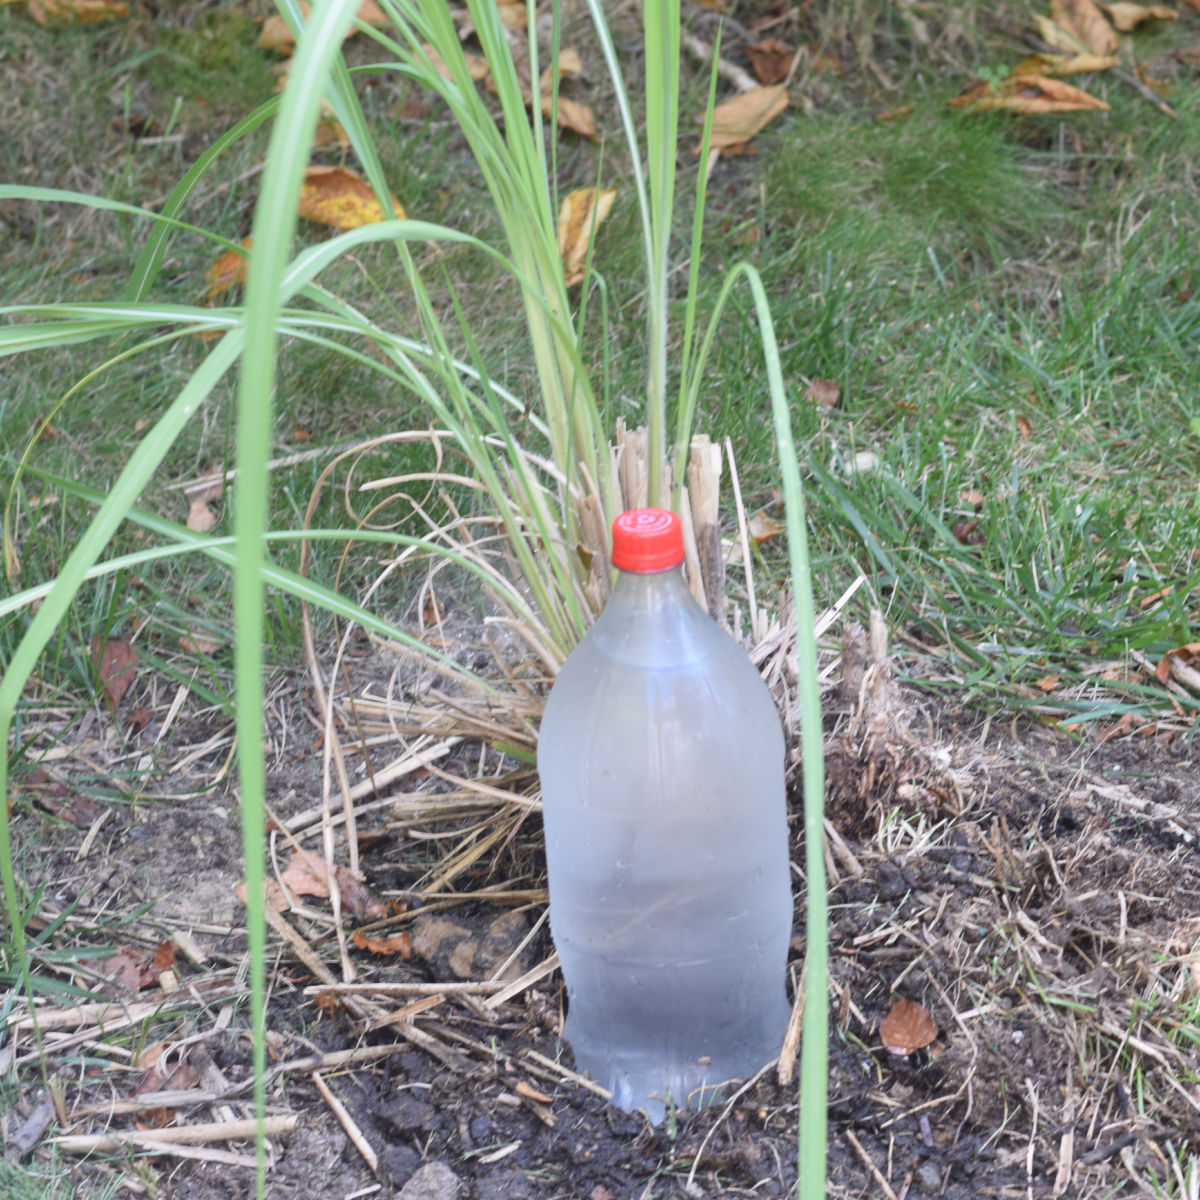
(165, 1141)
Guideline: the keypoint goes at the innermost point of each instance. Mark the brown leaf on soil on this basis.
(76, 12)
(739, 119)
(1064, 64)
(398, 943)
(164, 956)
(572, 115)
(130, 969)
(1028, 94)
(1048, 682)
(78, 810)
(907, 1027)
(307, 874)
(228, 271)
(340, 197)
(200, 518)
(357, 898)
(580, 216)
(1127, 17)
(116, 661)
(771, 60)
(762, 527)
(824, 393)
(1084, 22)
(1026, 428)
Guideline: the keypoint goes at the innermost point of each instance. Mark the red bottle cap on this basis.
(646, 540)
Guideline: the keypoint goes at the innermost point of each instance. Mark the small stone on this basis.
(406, 1114)
(400, 1162)
(434, 1181)
(930, 1176)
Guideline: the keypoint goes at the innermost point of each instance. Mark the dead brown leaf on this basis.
(971, 496)
(195, 644)
(307, 874)
(278, 37)
(771, 60)
(1048, 682)
(512, 15)
(476, 64)
(1181, 656)
(340, 197)
(572, 115)
(116, 661)
(1083, 21)
(200, 518)
(968, 533)
(228, 271)
(739, 119)
(569, 63)
(580, 215)
(1064, 64)
(76, 12)
(907, 1027)
(825, 393)
(1127, 17)
(398, 943)
(1028, 94)
(1026, 428)
(130, 969)
(762, 527)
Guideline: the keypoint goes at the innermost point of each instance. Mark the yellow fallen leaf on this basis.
(76, 12)
(569, 63)
(579, 217)
(1083, 21)
(1127, 17)
(512, 16)
(739, 119)
(1029, 94)
(227, 272)
(1064, 64)
(572, 115)
(340, 197)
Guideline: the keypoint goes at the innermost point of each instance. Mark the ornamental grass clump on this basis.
(544, 472)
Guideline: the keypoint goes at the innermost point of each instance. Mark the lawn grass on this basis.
(1007, 305)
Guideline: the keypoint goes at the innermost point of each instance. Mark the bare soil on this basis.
(1036, 894)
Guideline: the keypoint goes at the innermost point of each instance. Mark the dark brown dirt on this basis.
(1036, 895)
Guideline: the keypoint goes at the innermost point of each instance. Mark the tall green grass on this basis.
(546, 506)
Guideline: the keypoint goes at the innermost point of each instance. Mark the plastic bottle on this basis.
(662, 766)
